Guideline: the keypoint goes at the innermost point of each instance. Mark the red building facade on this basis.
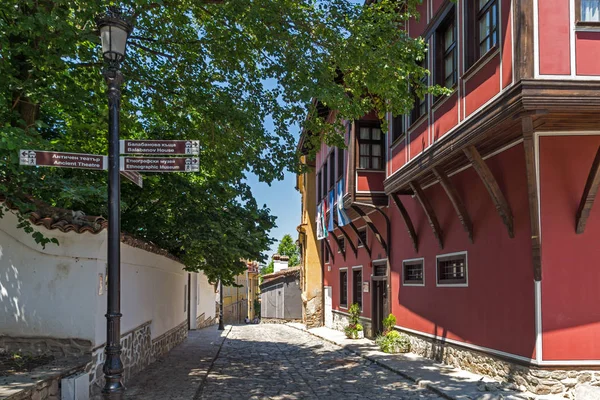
(473, 218)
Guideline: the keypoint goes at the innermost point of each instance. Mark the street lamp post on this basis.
(114, 31)
(221, 326)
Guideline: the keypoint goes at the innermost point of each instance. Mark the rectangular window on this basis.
(319, 197)
(340, 163)
(589, 10)
(342, 244)
(357, 286)
(446, 57)
(344, 288)
(412, 272)
(484, 21)
(420, 104)
(362, 237)
(397, 128)
(452, 269)
(325, 179)
(326, 249)
(370, 148)
(331, 169)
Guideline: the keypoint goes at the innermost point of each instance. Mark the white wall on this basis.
(279, 265)
(56, 291)
(206, 295)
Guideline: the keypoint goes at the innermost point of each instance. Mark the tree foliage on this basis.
(287, 247)
(234, 74)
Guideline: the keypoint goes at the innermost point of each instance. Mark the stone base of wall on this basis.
(525, 378)
(165, 342)
(278, 321)
(136, 355)
(340, 321)
(32, 346)
(47, 390)
(203, 322)
(312, 312)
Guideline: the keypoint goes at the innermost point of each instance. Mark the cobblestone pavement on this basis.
(280, 362)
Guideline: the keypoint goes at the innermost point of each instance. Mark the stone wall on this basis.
(46, 390)
(203, 322)
(278, 321)
(136, 355)
(341, 320)
(165, 342)
(59, 348)
(313, 310)
(540, 381)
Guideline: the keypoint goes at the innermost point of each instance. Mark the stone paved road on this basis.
(280, 362)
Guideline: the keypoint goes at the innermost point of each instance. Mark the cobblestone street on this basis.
(279, 362)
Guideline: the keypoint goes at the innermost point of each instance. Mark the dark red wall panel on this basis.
(554, 37)
(416, 28)
(445, 117)
(418, 139)
(399, 156)
(368, 181)
(587, 45)
(570, 262)
(482, 85)
(496, 310)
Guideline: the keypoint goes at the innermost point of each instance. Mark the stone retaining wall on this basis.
(59, 348)
(165, 342)
(46, 390)
(341, 320)
(313, 310)
(203, 322)
(278, 321)
(533, 379)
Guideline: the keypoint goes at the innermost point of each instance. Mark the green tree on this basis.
(268, 269)
(234, 74)
(287, 247)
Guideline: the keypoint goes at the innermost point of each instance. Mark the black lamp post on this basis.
(221, 326)
(114, 31)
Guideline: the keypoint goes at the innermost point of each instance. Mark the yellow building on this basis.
(235, 301)
(253, 290)
(310, 259)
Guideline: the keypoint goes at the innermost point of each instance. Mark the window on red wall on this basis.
(319, 197)
(324, 180)
(342, 244)
(357, 286)
(362, 237)
(344, 288)
(588, 10)
(446, 61)
(420, 104)
(398, 130)
(332, 168)
(483, 18)
(370, 148)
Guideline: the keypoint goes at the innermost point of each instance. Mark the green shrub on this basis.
(354, 327)
(354, 311)
(388, 323)
(393, 342)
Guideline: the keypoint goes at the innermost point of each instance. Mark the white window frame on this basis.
(466, 284)
(365, 228)
(347, 277)
(422, 259)
(362, 279)
(343, 240)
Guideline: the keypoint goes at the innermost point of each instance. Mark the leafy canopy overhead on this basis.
(235, 74)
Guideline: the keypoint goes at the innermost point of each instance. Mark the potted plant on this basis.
(392, 341)
(354, 330)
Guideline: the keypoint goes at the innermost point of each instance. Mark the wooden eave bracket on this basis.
(339, 245)
(365, 245)
(532, 194)
(348, 240)
(329, 249)
(407, 221)
(372, 226)
(589, 195)
(456, 200)
(490, 183)
(429, 212)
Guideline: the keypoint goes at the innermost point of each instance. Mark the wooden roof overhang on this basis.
(527, 107)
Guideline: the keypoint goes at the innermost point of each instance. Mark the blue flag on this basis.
(331, 210)
(341, 212)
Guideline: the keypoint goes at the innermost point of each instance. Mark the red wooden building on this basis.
(471, 219)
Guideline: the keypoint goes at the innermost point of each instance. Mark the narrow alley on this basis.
(267, 362)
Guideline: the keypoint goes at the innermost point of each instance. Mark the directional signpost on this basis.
(160, 147)
(134, 177)
(160, 164)
(63, 160)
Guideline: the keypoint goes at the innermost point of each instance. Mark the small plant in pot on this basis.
(354, 330)
(392, 341)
